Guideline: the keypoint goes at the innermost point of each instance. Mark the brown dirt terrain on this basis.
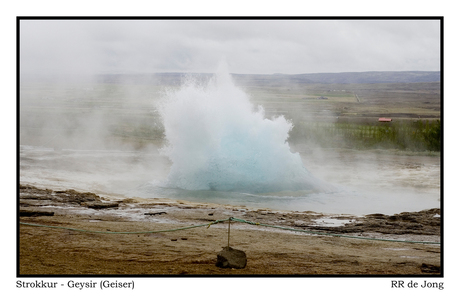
(270, 251)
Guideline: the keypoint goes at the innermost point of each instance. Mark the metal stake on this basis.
(229, 219)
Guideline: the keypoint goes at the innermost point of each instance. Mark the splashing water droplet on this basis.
(217, 140)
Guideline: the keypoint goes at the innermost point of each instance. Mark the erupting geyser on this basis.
(217, 140)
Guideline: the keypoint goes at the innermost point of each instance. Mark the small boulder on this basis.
(231, 258)
(300, 223)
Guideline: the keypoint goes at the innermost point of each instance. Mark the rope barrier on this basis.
(331, 234)
(109, 232)
(229, 220)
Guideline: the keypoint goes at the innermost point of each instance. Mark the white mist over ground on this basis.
(366, 182)
(220, 148)
(216, 140)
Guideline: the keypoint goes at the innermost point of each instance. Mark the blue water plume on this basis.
(218, 140)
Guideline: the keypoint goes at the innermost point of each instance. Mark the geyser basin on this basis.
(217, 140)
(369, 183)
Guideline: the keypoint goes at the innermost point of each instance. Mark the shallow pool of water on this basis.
(364, 182)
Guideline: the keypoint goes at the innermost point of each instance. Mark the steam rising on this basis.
(216, 140)
(103, 135)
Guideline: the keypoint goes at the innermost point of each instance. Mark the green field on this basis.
(419, 135)
(346, 115)
(402, 100)
(328, 115)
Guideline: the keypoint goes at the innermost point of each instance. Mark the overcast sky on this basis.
(249, 46)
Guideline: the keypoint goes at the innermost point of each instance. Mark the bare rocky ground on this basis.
(269, 251)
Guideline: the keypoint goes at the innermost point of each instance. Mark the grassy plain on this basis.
(326, 113)
(353, 101)
(346, 115)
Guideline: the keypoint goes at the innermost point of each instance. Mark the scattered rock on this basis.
(36, 203)
(231, 258)
(100, 205)
(128, 201)
(376, 216)
(78, 197)
(35, 197)
(300, 223)
(427, 268)
(34, 213)
(155, 213)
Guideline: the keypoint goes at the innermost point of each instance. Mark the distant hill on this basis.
(376, 77)
(346, 77)
(175, 78)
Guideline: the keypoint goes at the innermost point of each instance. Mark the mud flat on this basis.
(270, 251)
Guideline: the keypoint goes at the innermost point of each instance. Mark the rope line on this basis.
(109, 232)
(231, 219)
(330, 234)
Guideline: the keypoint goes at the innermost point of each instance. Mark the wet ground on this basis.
(269, 250)
(364, 182)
